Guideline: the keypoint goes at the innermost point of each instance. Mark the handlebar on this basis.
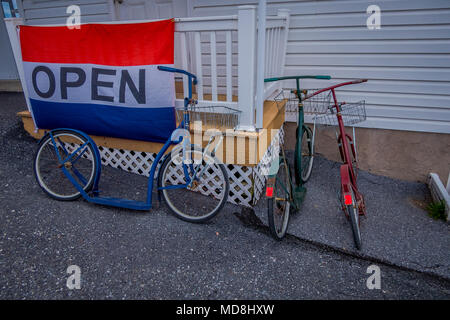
(192, 79)
(359, 81)
(174, 70)
(321, 77)
(297, 81)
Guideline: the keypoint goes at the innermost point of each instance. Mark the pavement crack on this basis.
(249, 219)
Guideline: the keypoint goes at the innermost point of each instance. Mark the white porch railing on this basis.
(222, 52)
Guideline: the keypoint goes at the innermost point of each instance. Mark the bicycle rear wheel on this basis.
(82, 165)
(207, 195)
(279, 205)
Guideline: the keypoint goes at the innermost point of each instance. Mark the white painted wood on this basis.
(216, 23)
(213, 65)
(260, 59)
(276, 50)
(198, 64)
(184, 63)
(208, 103)
(214, 50)
(229, 71)
(246, 70)
(439, 192)
(284, 13)
(448, 184)
(12, 25)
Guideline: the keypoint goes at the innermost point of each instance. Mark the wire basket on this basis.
(351, 113)
(314, 105)
(214, 117)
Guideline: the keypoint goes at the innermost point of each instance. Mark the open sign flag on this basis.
(102, 78)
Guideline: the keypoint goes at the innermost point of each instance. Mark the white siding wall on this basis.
(407, 61)
(54, 12)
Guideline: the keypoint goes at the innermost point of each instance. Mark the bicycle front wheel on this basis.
(202, 199)
(279, 205)
(82, 165)
(353, 212)
(307, 154)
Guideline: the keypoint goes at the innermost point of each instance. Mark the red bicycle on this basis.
(342, 114)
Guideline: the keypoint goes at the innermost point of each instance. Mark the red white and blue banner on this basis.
(102, 78)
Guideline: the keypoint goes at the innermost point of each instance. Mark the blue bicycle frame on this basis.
(93, 195)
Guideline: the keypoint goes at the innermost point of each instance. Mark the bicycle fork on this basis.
(213, 154)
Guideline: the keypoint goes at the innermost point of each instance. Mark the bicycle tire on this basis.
(353, 212)
(48, 170)
(274, 209)
(307, 154)
(195, 204)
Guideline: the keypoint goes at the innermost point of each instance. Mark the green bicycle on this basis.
(281, 191)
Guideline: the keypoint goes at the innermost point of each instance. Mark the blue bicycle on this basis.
(193, 182)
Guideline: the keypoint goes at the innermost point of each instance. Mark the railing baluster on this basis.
(184, 63)
(272, 49)
(272, 45)
(229, 55)
(277, 50)
(267, 55)
(213, 66)
(198, 63)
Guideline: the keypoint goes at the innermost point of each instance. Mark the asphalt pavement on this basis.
(123, 254)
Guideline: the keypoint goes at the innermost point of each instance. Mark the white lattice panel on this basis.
(246, 183)
(209, 184)
(261, 170)
(131, 161)
(241, 184)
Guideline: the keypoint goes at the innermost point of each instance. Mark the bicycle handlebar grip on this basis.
(323, 77)
(360, 81)
(271, 79)
(297, 78)
(174, 70)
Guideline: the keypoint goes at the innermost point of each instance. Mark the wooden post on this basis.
(246, 66)
(260, 63)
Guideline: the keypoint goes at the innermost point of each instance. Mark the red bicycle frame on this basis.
(348, 175)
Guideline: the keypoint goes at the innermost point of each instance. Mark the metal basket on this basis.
(318, 103)
(211, 116)
(352, 113)
(314, 105)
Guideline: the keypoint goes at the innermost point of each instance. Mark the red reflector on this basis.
(348, 199)
(269, 191)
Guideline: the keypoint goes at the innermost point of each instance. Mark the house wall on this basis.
(54, 12)
(407, 61)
